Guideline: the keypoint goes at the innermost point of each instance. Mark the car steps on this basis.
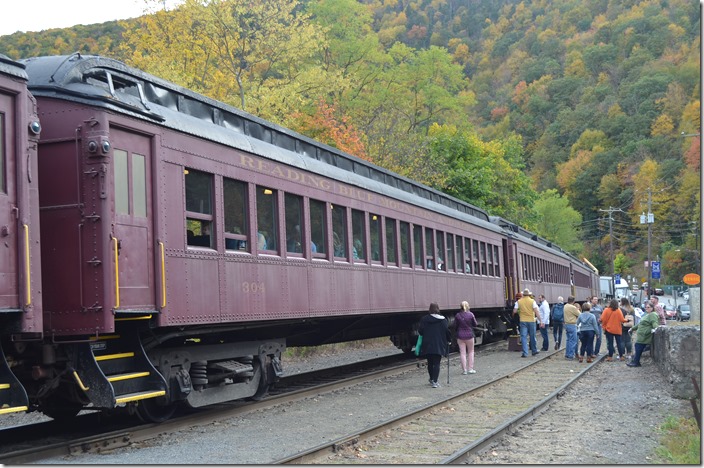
(114, 370)
(13, 397)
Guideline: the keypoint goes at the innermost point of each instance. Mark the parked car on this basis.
(682, 312)
(670, 312)
(659, 292)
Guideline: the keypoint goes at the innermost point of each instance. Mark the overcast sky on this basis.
(38, 15)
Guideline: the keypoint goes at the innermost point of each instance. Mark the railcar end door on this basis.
(9, 298)
(132, 232)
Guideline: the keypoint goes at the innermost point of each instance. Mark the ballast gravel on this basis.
(610, 416)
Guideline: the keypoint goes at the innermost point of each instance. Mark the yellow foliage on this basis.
(662, 126)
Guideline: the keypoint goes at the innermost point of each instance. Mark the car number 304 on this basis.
(252, 288)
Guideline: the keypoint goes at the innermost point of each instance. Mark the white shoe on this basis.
(472, 371)
(464, 372)
(435, 385)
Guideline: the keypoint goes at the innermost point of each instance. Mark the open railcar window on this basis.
(267, 220)
(375, 234)
(359, 238)
(236, 216)
(339, 231)
(199, 208)
(318, 228)
(293, 208)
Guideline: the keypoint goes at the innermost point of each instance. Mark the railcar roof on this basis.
(534, 239)
(111, 84)
(12, 68)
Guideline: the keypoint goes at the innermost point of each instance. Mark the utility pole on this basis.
(611, 242)
(650, 219)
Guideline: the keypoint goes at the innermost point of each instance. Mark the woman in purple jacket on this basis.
(464, 325)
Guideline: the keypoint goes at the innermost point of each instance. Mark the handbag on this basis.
(418, 343)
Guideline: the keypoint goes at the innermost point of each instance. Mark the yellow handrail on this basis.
(117, 274)
(163, 275)
(27, 266)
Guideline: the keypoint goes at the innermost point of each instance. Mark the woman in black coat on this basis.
(436, 338)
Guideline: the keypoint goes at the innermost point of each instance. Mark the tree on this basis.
(262, 52)
(557, 221)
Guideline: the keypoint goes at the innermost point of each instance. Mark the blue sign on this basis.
(617, 279)
(656, 270)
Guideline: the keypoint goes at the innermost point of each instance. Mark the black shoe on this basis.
(557, 346)
(536, 353)
(524, 355)
(630, 364)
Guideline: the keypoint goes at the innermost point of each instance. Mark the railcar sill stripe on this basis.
(108, 357)
(13, 409)
(144, 396)
(133, 375)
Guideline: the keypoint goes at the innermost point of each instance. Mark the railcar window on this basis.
(450, 252)
(236, 226)
(490, 260)
(139, 185)
(293, 206)
(391, 241)
(405, 230)
(375, 234)
(122, 191)
(418, 246)
(468, 256)
(458, 247)
(318, 228)
(267, 220)
(199, 213)
(440, 240)
(475, 256)
(429, 253)
(497, 265)
(483, 258)
(339, 231)
(359, 238)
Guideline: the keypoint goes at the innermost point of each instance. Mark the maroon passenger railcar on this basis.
(185, 244)
(20, 268)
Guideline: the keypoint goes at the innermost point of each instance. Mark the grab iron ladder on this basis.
(114, 370)
(13, 397)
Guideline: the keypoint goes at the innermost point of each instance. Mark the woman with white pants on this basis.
(465, 321)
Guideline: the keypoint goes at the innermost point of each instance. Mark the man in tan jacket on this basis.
(527, 310)
(571, 314)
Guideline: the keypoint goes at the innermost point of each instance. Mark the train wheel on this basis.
(154, 410)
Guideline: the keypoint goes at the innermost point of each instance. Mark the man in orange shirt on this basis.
(612, 321)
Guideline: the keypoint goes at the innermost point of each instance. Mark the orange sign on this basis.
(691, 279)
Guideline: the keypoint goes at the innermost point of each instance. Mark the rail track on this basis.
(451, 430)
(92, 433)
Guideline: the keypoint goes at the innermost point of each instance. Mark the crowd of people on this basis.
(628, 330)
(586, 326)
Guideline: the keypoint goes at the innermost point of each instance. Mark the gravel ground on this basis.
(611, 416)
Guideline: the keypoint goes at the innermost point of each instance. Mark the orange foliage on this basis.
(327, 128)
(498, 113)
(692, 157)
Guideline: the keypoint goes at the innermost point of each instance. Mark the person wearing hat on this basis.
(528, 313)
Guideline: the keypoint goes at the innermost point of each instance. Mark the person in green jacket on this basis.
(645, 328)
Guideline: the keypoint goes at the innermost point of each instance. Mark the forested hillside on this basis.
(551, 113)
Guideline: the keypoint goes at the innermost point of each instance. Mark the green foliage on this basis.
(577, 95)
(557, 221)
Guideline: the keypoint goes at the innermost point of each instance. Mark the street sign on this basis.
(617, 279)
(691, 279)
(656, 270)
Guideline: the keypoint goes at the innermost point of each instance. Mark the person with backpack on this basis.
(557, 321)
(436, 335)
